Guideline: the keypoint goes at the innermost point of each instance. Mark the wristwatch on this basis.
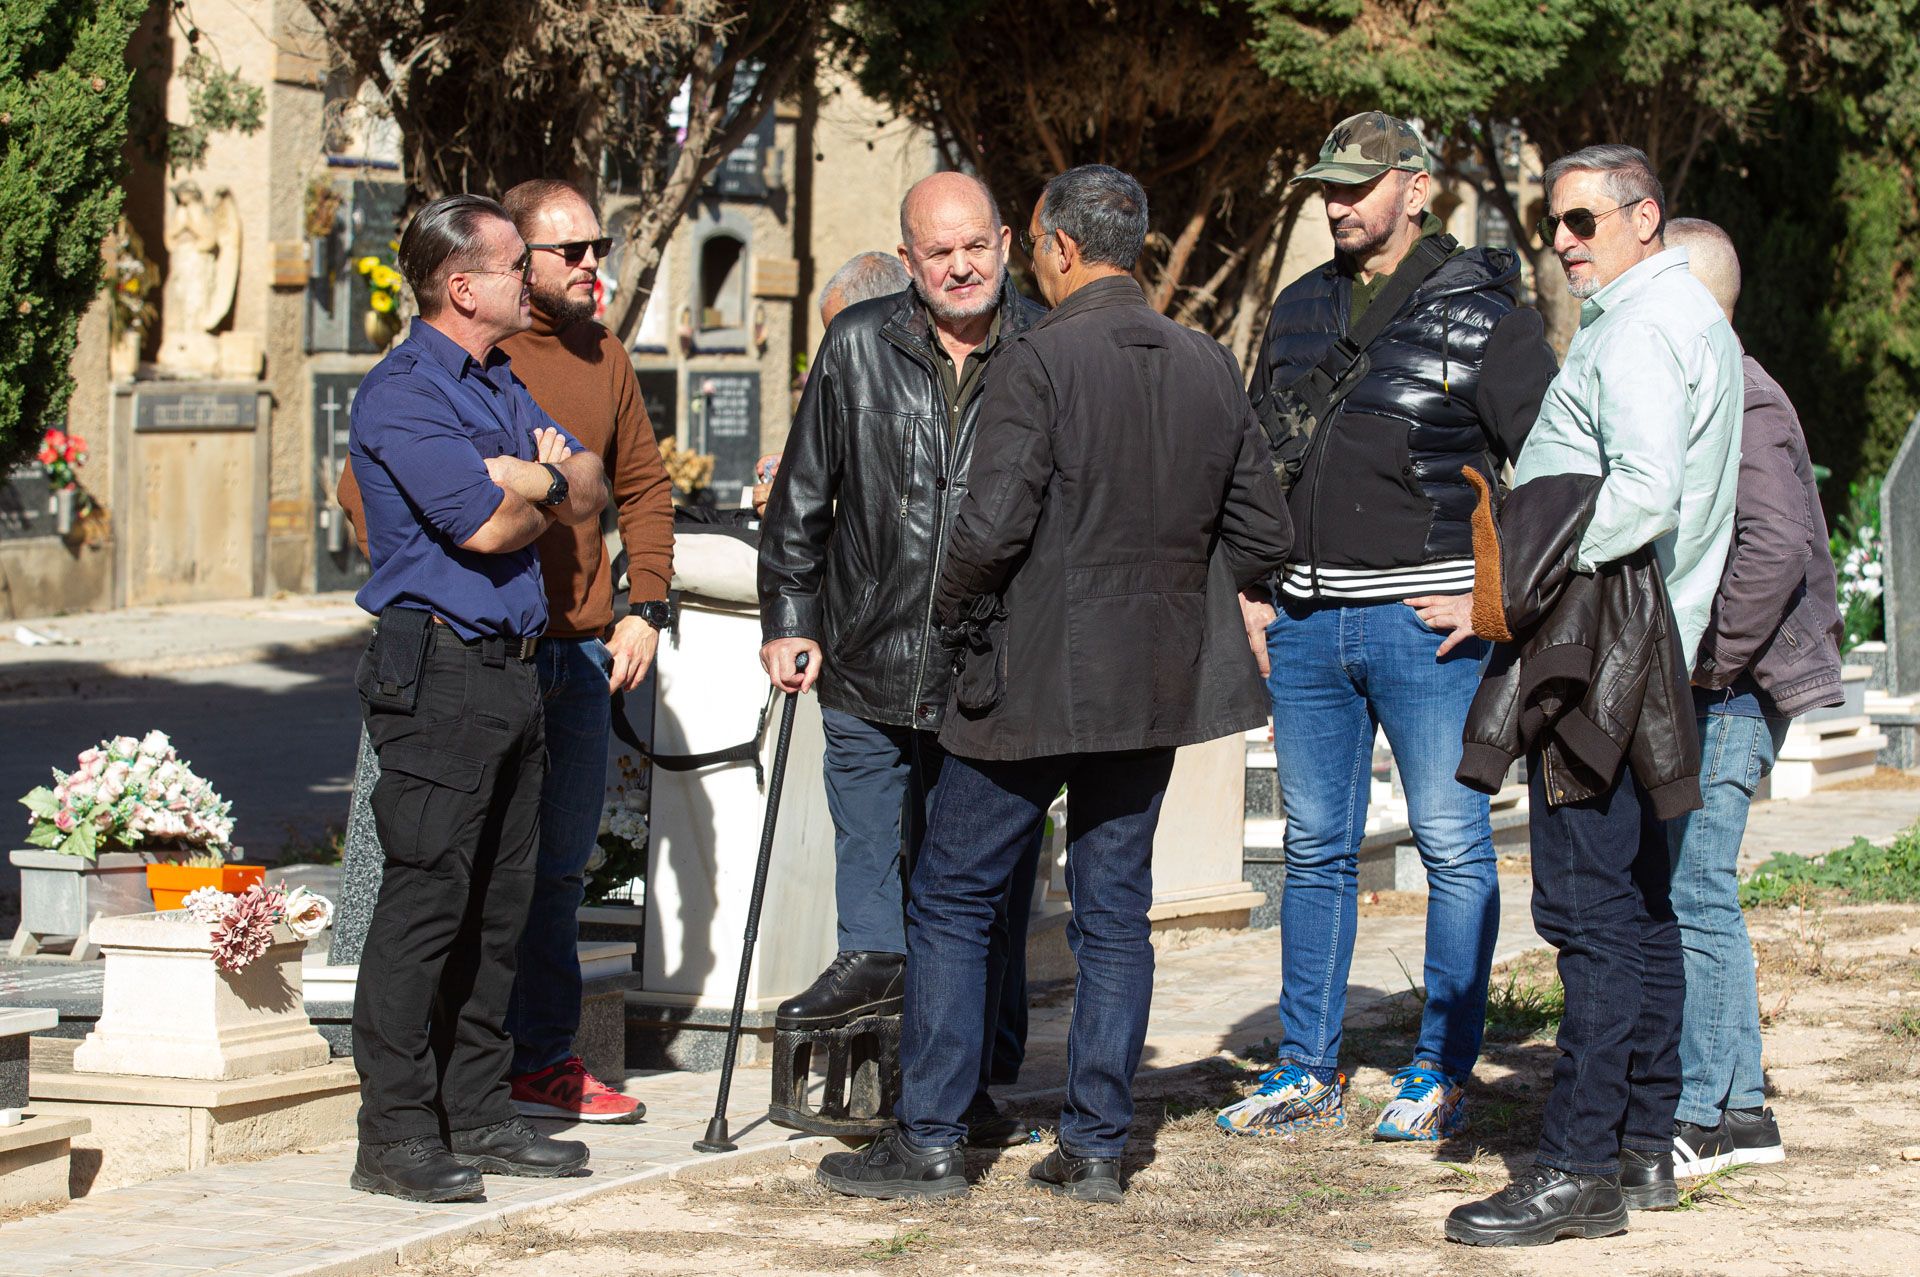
(557, 490)
(658, 613)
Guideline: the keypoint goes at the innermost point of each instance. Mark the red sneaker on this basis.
(567, 1090)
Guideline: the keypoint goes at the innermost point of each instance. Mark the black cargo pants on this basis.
(458, 812)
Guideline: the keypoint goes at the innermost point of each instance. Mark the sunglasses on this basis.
(1581, 221)
(573, 252)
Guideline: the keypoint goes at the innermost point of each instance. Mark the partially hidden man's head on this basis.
(1090, 222)
(954, 245)
(464, 261)
(1605, 214)
(864, 277)
(1711, 258)
(1375, 174)
(558, 222)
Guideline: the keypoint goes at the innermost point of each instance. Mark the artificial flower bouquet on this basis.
(124, 793)
(243, 924)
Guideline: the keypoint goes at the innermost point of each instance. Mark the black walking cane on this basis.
(716, 1140)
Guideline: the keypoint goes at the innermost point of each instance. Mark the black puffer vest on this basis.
(1382, 486)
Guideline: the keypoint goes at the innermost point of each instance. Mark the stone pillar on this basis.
(1900, 566)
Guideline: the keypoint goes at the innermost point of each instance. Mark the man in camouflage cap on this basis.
(1362, 147)
(1372, 626)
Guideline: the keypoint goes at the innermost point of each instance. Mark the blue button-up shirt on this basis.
(424, 422)
(1650, 397)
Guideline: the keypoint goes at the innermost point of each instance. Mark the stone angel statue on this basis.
(203, 246)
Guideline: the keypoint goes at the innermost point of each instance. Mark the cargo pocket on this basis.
(427, 804)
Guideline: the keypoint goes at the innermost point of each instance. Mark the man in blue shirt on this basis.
(461, 472)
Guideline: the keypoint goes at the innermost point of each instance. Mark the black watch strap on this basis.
(658, 613)
(557, 490)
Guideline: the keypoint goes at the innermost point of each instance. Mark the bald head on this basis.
(954, 246)
(1710, 257)
(944, 198)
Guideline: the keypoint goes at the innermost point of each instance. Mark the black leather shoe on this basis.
(1542, 1205)
(1646, 1180)
(892, 1167)
(514, 1148)
(856, 983)
(415, 1170)
(988, 1127)
(1085, 1179)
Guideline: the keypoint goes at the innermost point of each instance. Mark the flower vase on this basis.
(380, 327)
(62, 896)
(172, 883)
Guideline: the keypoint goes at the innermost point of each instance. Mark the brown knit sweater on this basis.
(585, 381)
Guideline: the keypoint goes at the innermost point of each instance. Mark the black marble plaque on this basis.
(26, 504)
(660, 392)
(338, 563)
(742, 175)
(729, 428)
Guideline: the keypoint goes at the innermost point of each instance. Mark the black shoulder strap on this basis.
(1329, 381)
(745, 752)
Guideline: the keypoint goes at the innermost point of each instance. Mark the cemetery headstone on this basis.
(360, 864)
(1900, 564)
(729, 414)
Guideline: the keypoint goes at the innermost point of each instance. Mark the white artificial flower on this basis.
(307, 913)
(205, 904)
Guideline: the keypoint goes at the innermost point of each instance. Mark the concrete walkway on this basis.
(152, 640)
(293, 1216)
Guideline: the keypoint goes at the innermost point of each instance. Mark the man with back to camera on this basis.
(579, 373)
(460, 472)
(1370, 611)
(850, 546)
(1771, 651)
(1121, 491)
(1649, 400)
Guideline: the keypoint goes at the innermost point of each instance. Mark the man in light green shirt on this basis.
(1650, 399)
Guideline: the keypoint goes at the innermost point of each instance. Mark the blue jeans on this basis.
(984, 818)
(544, 1012)
(1720, 1029)
(1338, 672)
(1601, 899)
(881, 782)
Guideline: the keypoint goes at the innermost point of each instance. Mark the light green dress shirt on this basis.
(1650, 398)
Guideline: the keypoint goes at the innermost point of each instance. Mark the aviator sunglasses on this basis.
(573, 252)
(1581, 221)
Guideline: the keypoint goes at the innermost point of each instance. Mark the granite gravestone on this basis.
(360, 864)
(1900, 564)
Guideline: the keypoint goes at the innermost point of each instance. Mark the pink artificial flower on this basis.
(64, 822)
(89, 756)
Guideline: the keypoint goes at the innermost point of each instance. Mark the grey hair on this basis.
(1711, 257)
(1103, 209)
(1628, 172)
(865, 277)
(442, 239)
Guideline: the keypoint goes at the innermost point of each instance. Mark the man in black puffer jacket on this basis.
(850, 547)
(1380, 574)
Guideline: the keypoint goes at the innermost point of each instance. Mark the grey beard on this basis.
(942, 310)
(1583, 289)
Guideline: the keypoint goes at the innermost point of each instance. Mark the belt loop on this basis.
(493, 650)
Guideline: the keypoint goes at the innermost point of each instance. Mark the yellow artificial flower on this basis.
(367, 263)
(382, 302)
(386, 277)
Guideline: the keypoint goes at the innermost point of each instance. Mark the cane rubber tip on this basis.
(716, 1140)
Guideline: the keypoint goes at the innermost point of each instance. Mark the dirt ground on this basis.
(1840, 994)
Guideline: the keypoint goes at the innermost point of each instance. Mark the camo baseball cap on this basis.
(1362, 147)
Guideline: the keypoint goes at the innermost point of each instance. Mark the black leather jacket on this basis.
(1588, 670)
(857, 523)
(1455, 381)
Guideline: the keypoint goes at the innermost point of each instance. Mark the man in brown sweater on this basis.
(579, 373)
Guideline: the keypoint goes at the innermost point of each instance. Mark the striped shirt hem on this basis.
(1448, 576)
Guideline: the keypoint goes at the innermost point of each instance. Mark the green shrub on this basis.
(1862, 871)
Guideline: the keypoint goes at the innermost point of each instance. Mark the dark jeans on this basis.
(984, 817)
(881, 781)
(457, 809)
(544, 1013)
(1601, 897)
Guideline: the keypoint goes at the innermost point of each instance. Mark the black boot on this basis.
(988, 1127)
(857, 983)
(1085, 1179)
(514, 1148)
(1646, 1180)
(1542, 1205)
(892, 1167)
(415, 1170)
